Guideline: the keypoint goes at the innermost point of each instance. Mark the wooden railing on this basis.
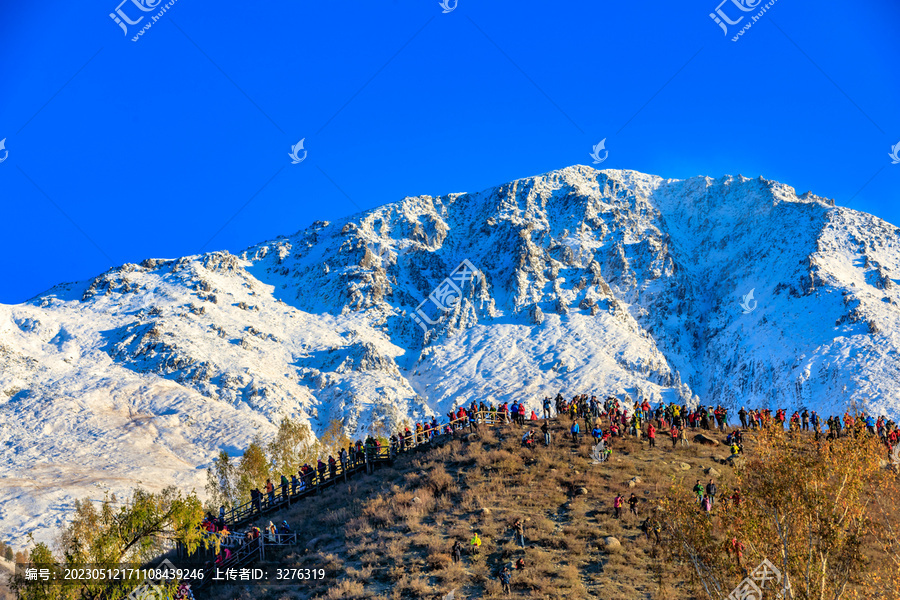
(369, 457)
(244, 552)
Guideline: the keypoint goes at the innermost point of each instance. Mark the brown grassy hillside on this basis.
(389, 535)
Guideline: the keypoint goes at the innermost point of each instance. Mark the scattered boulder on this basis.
(581, 491)
(712, 472)
(485, 512)
(705, 439)
(317, 541)
(634, 481)
(684, 466)
(416, 500)
(736, 462)
(612, 544)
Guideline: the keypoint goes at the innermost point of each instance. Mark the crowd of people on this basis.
(308, 477)
(617, 418)
(641, 420)
(230, 543)
(604, 421)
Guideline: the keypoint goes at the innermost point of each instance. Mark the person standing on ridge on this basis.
(596, 433)
(342, 455)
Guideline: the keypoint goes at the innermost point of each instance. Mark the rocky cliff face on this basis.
(606, 282)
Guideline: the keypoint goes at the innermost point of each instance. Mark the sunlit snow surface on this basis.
(140, 376)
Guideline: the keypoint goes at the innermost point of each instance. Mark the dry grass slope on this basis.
(389, 535)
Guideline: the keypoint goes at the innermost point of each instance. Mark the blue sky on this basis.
(178, 143)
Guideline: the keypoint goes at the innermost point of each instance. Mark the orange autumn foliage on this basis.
(823, 512)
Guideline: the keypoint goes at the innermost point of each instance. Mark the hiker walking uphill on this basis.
(456, 551)
(270, 491)
(475, 544)
(617, 505)
(632, 504)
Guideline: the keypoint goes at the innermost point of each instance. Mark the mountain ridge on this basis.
(606, 282)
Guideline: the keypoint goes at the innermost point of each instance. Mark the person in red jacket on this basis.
(651, 435)
(674, 433)
(737, 548)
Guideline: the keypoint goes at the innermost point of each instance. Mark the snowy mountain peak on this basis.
(605, 282)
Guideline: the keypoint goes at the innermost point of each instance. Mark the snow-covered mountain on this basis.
(606, 282)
